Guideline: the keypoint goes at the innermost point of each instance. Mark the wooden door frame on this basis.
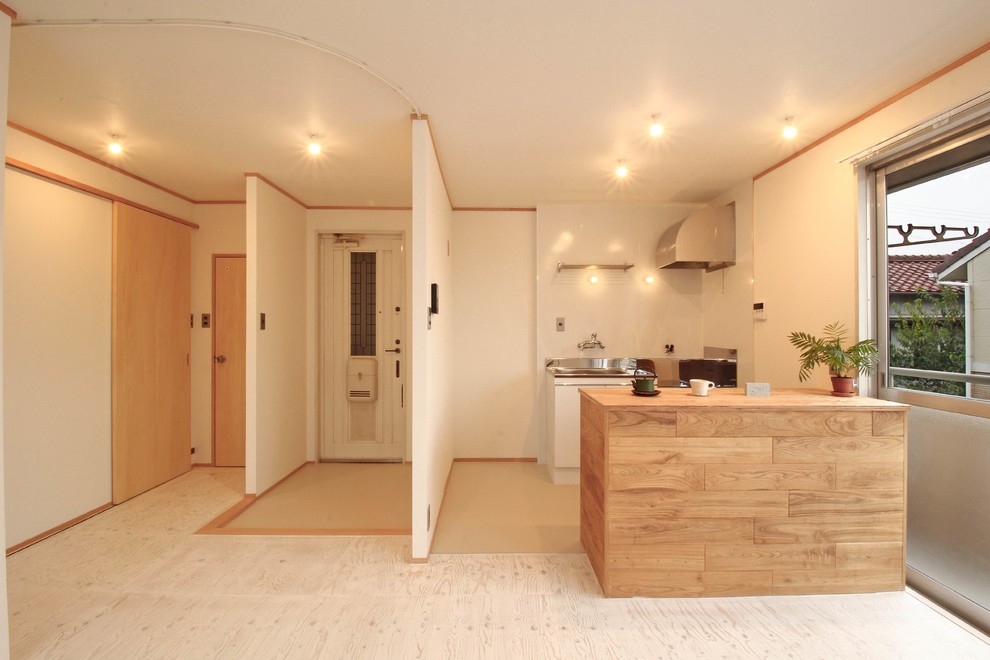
(213, 351)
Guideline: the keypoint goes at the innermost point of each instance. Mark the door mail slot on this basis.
(362, 379)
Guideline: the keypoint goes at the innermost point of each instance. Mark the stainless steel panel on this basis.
(949, 502)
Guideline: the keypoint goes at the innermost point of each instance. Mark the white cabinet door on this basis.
(566, 449)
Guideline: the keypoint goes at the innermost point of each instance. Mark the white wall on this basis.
(632, 318)
(4, 76)
(327, 221)
(221, 231)
(806, 217)
(432, 428)
(57, 284)
(494, 305)
(276, 356)
(727, 294)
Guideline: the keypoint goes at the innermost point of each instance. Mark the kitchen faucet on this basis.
(591, 343)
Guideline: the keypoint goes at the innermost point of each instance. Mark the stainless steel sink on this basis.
(591, 371)
(591, 366)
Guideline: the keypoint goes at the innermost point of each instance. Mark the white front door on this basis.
(362, 349)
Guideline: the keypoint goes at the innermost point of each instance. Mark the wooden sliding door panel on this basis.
(151, 343)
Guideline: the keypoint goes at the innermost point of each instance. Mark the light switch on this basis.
(205, 321)
(560, 324)
(262, 320)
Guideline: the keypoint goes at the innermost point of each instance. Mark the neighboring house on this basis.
(911, 281)
(907, 275)
(971, 265)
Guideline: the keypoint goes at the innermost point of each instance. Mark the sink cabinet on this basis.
(563, 423)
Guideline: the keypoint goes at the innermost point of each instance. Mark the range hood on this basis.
(705, 239)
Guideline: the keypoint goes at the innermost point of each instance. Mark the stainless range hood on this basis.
(705, 239)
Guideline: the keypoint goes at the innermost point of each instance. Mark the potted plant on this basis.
(843, 363)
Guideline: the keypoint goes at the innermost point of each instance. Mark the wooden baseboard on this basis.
(217, 524)
(55, 530)
(280, 481)
(524, 459)
(278, 531)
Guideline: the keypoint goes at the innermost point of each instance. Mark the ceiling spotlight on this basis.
(314, 146)
(621, 170)
(790, 130)
(593, 279)
(656, 128)
(649, 279)
(115, 147)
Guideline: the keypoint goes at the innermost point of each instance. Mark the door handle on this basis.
(220, 359)
(393, 350)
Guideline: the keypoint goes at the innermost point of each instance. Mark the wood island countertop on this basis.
(680, 398)
(799, 492)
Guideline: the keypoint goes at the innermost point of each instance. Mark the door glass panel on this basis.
(363, 303)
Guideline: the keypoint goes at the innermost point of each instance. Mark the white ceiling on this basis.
(530, 102)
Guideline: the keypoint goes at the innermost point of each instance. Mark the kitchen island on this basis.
(732, 495)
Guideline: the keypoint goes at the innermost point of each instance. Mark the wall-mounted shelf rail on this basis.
(623, 267)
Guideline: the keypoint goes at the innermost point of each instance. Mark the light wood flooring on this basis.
(136, 582)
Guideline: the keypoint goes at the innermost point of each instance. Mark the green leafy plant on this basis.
(930, 334)
(827, 350)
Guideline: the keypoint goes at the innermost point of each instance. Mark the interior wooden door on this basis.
(229, 356)
(150, 349)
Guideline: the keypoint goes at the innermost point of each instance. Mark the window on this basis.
(933, 274)
(363, 303)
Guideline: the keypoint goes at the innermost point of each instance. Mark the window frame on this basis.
(933, 150)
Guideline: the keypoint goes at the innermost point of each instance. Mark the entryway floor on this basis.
(507, 507)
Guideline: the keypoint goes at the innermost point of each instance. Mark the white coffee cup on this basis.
(700, 387)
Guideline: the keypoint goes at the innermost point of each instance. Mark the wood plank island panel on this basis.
(729, 495)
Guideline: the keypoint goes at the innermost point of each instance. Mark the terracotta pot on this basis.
(842, 386)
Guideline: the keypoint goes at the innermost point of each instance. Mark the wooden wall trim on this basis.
(55, 530)
(94, 159)
(276, 187)
(7, 10)
(524, 459)
(221, 201)
(85, 187)
(359, 208)
(218, 523)
(948, 68)
(495, 208)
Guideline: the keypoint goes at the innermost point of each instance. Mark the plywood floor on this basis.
(136, 582)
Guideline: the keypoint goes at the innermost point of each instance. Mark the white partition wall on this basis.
(276, 355)
(432, 341)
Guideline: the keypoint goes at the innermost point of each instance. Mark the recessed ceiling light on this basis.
(593, 279)
(314, 146)
(621, 170)
(649, 279)
(115, 147)
(656, 128)
(790, 130)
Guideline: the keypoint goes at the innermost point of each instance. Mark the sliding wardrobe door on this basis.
(150, 347)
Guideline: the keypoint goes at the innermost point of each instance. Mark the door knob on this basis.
(220, 359)
(393, 350)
